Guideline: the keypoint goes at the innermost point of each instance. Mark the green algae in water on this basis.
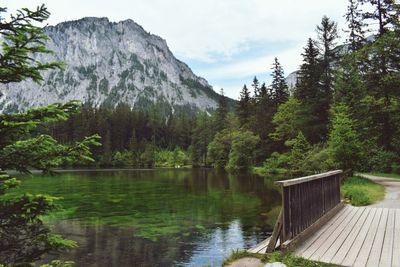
(159, 205)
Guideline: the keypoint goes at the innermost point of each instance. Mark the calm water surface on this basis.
(158, 217)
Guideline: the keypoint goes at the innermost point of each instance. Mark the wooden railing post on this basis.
(304, 201)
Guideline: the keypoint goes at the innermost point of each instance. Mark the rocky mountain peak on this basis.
(110, 63)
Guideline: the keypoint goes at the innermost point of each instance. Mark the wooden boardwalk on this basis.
(362, 236)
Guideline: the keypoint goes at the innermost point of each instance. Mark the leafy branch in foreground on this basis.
(21, 42)
(23, 236)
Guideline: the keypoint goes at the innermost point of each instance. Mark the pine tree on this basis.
(344, 145)
(256, 88)
(327, 35)
(379, 62)
(244, 107)
(308, 91)
(279, 87)
(355, 25)
(385, 14)
(221, 113)
(22, 41)
(24, 238)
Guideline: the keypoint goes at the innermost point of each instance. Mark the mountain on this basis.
(110, 63)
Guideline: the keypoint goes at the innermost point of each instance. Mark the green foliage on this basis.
(279, 87)
(288, 120)
(241, 155)
(201, 136)
(23, 236)
(276, 164)
(299, 149)
(244, 107)
(361, 191)
(221, 121)
(286, 258)
(343, 143)
(171, 158)
(238, 254)
(58, 263)
(219, 148)
(22, 39)
(379, 160)
(148, 156)
(293, 261)
(123, 159)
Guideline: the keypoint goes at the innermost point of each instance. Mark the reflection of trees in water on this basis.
(179, 210)
(109, 246)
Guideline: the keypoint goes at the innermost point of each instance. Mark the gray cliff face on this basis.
(110, 63)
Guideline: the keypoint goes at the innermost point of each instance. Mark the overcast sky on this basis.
(227, 42)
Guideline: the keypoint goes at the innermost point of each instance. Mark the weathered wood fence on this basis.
(305, 201)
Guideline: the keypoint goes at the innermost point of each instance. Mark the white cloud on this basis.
(213, 31)
(289, 59)
(200, 29)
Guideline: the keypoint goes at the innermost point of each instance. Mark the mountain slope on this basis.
(109, 63)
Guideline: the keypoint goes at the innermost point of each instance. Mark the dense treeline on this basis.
(342, 112)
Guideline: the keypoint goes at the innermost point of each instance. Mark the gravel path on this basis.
(392, 191)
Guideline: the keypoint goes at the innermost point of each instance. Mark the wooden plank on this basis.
(396, 244)
(376, 250)
(312, 229)
(338, 226)
(354, 249)
(275, 233)
(309, 178)
(363, 255)
(387, 248)
(338, 218)
(260, 246)
(317, 255)
(351, 237)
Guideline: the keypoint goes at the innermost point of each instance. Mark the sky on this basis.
(227, 42)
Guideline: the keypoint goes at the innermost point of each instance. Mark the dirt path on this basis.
(392, 191)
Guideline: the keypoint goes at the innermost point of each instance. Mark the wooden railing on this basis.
(305, 200)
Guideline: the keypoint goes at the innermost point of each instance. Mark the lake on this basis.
(162, 217)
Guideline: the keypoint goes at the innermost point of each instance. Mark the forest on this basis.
(342, 112)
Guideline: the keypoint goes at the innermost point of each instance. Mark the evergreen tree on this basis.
(308, 91)
(24, 238)
(299, 150)
(355, 25)
(327, 35)
(244, 107)
(384, 14)
(201, 137)
(256, 88)
(221, 113)
(344, 145)
(241, 155)
(279, 87)
(22, 41)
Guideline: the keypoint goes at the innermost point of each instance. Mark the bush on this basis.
(168, 158)
(242, 151)
(276, 163)
(379, 160)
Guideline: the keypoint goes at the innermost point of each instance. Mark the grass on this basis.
(361, 191)
(286, 258)
(389, 175)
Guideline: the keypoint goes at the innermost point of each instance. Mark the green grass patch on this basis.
(388, 175)
(361, 191)
(238, 254)
(286, 258)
